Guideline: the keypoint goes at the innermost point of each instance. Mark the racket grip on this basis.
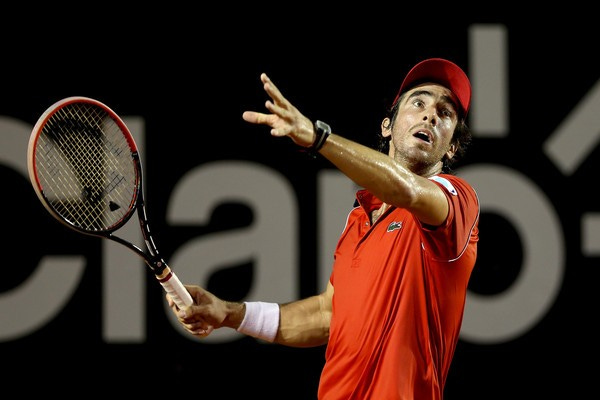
(173, 286)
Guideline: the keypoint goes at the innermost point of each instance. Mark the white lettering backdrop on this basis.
(296, 211)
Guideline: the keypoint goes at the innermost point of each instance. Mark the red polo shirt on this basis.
(399, 299)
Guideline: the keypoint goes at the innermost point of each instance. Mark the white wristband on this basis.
(261, 320)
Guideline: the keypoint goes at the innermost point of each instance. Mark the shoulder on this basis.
(453, 185)
(445, 181)
(448, 181)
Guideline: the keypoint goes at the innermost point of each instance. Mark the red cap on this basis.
(444, 72)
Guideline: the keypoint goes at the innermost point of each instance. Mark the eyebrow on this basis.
(447, 99)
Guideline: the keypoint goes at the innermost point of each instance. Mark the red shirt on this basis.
(399, 299)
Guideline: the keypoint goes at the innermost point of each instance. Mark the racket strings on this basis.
(86, 168)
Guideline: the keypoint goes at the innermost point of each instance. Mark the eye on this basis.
(447, 112)
(418, 103)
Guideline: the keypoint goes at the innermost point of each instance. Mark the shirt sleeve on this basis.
(449, 241)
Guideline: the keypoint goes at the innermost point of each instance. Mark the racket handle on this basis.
(175, 288)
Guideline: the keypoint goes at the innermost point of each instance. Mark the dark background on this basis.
(191, 83)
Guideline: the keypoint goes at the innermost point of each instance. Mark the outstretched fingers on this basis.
(283, 117)
(255, 117)
(272, 90)
(278, 104)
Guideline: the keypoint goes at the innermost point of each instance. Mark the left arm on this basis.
(368, 168)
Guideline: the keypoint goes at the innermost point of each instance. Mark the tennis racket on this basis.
(85, 168)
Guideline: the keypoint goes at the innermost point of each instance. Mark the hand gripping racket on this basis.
(86, 170)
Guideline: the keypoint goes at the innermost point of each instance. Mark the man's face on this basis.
(422, 132)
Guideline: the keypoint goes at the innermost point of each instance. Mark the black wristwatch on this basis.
(322, 131)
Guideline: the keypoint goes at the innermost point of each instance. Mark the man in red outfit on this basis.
(392, 310)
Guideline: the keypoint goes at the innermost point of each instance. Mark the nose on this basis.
(432, 118)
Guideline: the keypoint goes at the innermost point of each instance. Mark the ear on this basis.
(451, 151)
(386, 127)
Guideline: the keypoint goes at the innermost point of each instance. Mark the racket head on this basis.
(84, 165)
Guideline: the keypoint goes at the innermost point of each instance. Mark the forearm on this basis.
(370, 169)
(387, 179)
(304, 323)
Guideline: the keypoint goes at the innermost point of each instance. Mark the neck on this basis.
(375, 214)
(421, 168)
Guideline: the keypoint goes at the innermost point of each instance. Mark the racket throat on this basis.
(158, 266)
(156, 263)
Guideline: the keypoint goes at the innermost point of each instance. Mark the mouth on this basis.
(423, 135)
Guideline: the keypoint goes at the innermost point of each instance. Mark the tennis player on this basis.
(392, 310)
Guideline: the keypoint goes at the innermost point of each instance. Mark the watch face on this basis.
(323, 127)
(322, 130)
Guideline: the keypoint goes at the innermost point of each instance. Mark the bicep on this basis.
(428, 202)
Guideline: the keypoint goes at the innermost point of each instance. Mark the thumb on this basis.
(185, 312)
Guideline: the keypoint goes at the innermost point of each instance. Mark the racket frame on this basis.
(153, 260)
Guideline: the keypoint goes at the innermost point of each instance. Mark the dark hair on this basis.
(462, 137)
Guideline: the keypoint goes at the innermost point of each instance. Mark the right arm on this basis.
(302, 323)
